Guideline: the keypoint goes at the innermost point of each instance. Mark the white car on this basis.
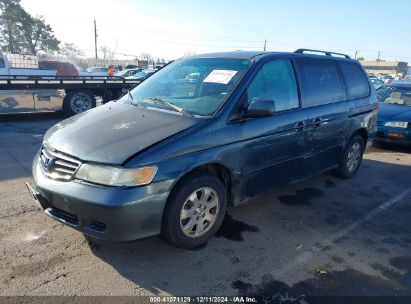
(142, 75)
(128, 72)
(95, 71)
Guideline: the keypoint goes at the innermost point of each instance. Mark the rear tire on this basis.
(76, 102)
(351, 159)
(195, 210)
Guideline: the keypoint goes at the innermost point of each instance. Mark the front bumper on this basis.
(393, 135)
(113, 214)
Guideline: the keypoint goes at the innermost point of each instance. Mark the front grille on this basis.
(57, 165)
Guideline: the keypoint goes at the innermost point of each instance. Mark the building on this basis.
(386, 67)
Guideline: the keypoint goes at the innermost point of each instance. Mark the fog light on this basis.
(396, 135)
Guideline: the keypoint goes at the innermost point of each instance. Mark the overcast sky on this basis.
(171, 28)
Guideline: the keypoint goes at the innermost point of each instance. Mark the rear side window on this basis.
(2, 65)
(355, 79)
(321, 82)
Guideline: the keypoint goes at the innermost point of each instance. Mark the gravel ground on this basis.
(323, 236)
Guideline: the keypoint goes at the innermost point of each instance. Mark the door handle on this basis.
(299, 126)
(317, 121)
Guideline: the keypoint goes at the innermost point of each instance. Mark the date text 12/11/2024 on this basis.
(202, 299)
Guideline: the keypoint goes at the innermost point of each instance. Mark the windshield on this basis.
(198, 85)
(401, 96)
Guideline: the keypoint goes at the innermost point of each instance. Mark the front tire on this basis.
(76, 102)
(194, 211)
(352, 157)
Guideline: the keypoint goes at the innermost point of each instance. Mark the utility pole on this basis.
(378, 58)
(355, 56)
(95, 38)
(265, 44)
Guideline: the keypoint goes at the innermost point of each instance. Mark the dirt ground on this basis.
(323, 236)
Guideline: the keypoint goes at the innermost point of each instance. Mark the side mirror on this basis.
(260, 108)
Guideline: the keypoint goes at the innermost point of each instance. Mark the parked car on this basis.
(95, 71)
(387, 79)
(62, 68)
(193, 77)
(170, 156)
(142, 74)
(128, 72)
(131, 66)
(377, 82)
(394, 116)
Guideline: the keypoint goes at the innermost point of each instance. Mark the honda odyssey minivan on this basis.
(172, 155)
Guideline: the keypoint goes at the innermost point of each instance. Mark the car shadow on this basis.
(260, 237)
(21, 136)
(386, 147)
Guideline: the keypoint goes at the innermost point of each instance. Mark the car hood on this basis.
(393, 112)
(114, 132)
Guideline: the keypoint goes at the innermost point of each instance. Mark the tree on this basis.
(38, 36)
(22, 33)
(360, 58)
(10, 36)
(70, 50)
(146, 57)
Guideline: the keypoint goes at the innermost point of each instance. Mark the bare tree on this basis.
(71, 50)
(146, 57)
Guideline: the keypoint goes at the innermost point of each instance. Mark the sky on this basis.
(171, 29)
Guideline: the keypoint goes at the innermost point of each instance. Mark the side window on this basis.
(321, 82)
(2, 65)
(382, 93)
(276, 81)
(355, 79)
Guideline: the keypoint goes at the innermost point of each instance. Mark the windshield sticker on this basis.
(220, 76)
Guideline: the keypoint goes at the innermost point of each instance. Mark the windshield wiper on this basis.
(172, 106)
(129, 95)
(134, 102)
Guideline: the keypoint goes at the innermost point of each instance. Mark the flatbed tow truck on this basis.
(24, 93)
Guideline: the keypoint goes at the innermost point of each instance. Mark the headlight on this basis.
(115, 176)
(397, 124)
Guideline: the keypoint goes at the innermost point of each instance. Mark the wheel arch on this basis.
(216, 169)
(363, 133)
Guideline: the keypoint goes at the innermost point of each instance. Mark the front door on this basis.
(274, 146)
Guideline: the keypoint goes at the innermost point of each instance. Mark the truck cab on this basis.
(22, 65)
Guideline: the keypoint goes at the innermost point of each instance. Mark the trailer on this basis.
(23, 93)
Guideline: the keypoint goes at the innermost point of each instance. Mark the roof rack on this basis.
(327, 53)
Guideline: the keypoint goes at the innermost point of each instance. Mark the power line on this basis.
(164, 32)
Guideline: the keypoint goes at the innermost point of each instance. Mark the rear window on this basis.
(321, 82)
(355, 80)
(47, 65)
